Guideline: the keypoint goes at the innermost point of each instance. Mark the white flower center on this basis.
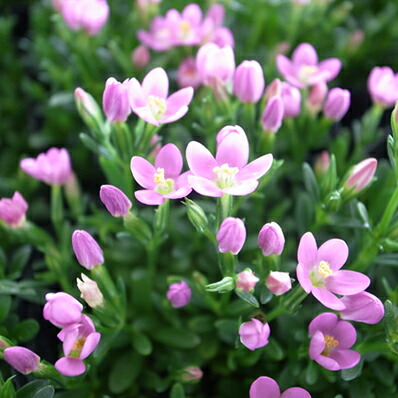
(319, 274)
(157, 106)
(225, 175)
(306, 71)
(163, 186)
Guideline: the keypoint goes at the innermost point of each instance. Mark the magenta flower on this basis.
(265, 387)
(163, 180)
(278, 282)
(79, 341)
(115, 200)
(115, 100)
(318, 271)
(362, 174)
(231, 235)
(271, 239)
(87, 251)
(140, 57)
(151, 102)
(337, 104)
(249, 82)
(246, 281)
(291, 98)
(179, 294)
(22, 359)
(272, 116)
(304, 69)
(52, 167)
(62, 309)
(228, 172)
(362, 307)
(13, 210)
(187, 74)
(254, 334)
(383, 86)
(330, 342)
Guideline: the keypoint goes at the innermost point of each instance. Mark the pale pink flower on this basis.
(228, 172)
(62, 309)
(265, 387)
(231, 235)
(192, 373)
(249, 82)
(87, 250)
(272, 117)
(246, 280)
(254, 334)
(271, 239)
(116, 101)
(187, 74)
(337, 103)
(278, 282)
(291, 98)
(316, 97)
(22, 359)
(362, 307)
(90, 292)
(318, 271)
(140, 57)
(179, 294)
(13, 210)
(361, 174)
(150, 100)
(383, 86)
(162, 180)
(304, 69)
(115, 200)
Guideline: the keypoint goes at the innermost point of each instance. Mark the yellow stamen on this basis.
(225, 175)
(306, 72)
(157, 106)
(77, 347)
(324, 269)
(185, 27)
(331, 343)
(159, 176)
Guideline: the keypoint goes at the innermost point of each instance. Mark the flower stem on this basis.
(57, 211)
(224, 208)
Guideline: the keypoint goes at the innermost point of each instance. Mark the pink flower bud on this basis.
(231, 236)
(291, 98)
(254, 334)
(249, 82)
(179, 294)
(271, 239)
(272, 117)
(362, 174)
(246, 280)
(337, 103)
(278, 282)
(192, 373)
(115, 201)
(227, 130)
(62, 309)
(116, 101)
(23, 360)
(13, 210)
(316, 97)
(383, 86)
(274, 89)
(362, 307)
(140, 56)
(87, 250)
(322, 164)
(90, 292)
(187, 74)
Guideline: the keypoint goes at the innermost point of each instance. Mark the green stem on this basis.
(388, 214)
(224, 208)
(57, 210)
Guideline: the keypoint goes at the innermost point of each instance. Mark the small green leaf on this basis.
(45, 392)
(310, 182)
(8, 390)
(311, 373)
(142, 344)
(19, 262)
(30, 389)
(248, 297)
(26, 330)
(227, 330)
(5, 306)
(352, 373)
(177, 391)
(125, 370)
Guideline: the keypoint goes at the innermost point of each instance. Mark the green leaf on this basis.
(248, 297)
(26, 330)
(311, 373)
(45, 392)
(5, 306)
(142, 344)
(30, 389)
(352, 373)
(8, 390)
(177, 391)
(19, 262)
(176, 338)
(310, 182)
(125, 370)
(227, 330)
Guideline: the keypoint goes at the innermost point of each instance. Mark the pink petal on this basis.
(256, 169)
(328, 299)
(178, 100)
(173, 117)
(90, 344)
(169, 158)
(233, 150)
(347, 282)
(156, 83)
(324, 322)
(205, 187)
(200, 160)
(328, 363)
(307, 251)
(246, 188)
(182, 181)
(296, 392)
(264, 387)
(317, 345)
(137, 97)
(284, 65)
(345, 334)
(345, 358)
(69, 338)
(179, 193)
(304, 278)
(70, 366)
(143, 172)
(334, 252)
(146, 114)
(305, 54)
(149, 197)
(332, 66)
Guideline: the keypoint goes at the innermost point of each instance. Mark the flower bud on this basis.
(196, 215)
(87, 250)
(231, 236)
(88, 109)
(322, 164)
(226, 284)
(90, 292)
(13, 210)
(254, 334)
(272, 117)
(115, 100)
(192, 373)
(62, 309)
(140, 56)
(246, 280)
(249, 82)
(22, 359)
(337, 104)
(362, 307)
(361, 175)
(179, 294)
(187, 74)
(138, 228)
(115, 201)
(227, 130)
(316, 97)
(271, 239)
(278, 282)
(383, 86)
(291, 98)
(274, 89)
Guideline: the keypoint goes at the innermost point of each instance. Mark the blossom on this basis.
(13, 210)
(115, 200)
(330, 342)
(291, 98)
(362, 174)
(90, 292)
(192, 373)
(254, 334)
(62, 309)
(337, 103)
(187, 74)
(150, 100)
(231, 235)
(228, 172)
(79, 341)
(304, 69)
(246, 280)
(316, 97)
(362, 307)
(87, 251)
(22, 359)
(318, 271)
(278, 282)
(249, 82)
(140, 57)
(179, 294)
(116, 101)
(383, 86)
(52, 167)
(265, 387)
(272, 116)
(163, 180)
(271, 239)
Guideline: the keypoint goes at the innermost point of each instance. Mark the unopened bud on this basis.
(337, 104)
(246, 280)
(278, 282)
(196, 215)
(231, 236)
(272, 116)
(192, 374)
(224, 285)
(22, 359)
(316, 97)
(179, 294)
(362, 307)
(88, 109)
(361, 175)
(115, 200)
(271, 239)
(90, 292)
(140, 57)
(87, 251)
(322, 164)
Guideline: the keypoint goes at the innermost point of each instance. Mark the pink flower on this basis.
(383, 86)
(228, 172)
(271, 239)
(291, 98)
(246, 281)
(115, 200)
(318, 271)
(62, 309)
(362, 307)
(22, 359)
(322, 164)
(79, 341)
(151, 102)
(192, 373)
(115, 100)
(265, 387)
(231, 235)
(179, 294)
(254, 334)
(249, 82)
(278, 282)
(140, 57)
(362, 174)
(163, 180)
(52, 167)
(87, 251)
(304, 70)
(337, 103)
(272, 117)
(187, 74)
(227, 130)
(13, 210)
(316, 97)
(330, 342)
